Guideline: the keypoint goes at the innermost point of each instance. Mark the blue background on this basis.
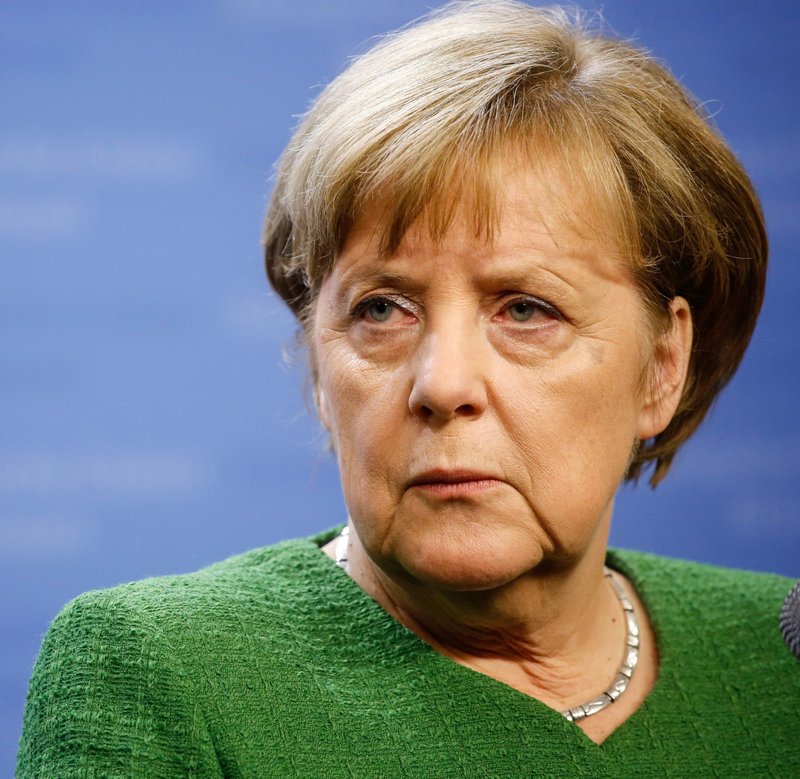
(148, 422)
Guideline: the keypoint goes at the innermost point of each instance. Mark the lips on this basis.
(444, 477)
(449, 476)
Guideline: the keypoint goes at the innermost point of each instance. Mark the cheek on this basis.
(578, 445)
(579, 421)
(353, 389)
(363, 407)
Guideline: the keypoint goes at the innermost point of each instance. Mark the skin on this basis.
(484, 400)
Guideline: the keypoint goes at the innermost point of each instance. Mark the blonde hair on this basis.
(424, 115)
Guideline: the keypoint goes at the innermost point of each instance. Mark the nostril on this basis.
(464, 410)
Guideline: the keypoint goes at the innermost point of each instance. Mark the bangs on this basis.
(469, 179)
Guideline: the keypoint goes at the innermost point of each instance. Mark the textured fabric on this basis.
(276, 664)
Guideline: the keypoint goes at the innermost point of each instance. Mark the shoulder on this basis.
(269, 579)
(731, 617)
(703, 593)
(728, 687)
(175, 617)
(669, 578)
(126, 678)
(172, 618)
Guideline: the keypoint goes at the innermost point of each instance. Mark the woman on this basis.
(524, 267)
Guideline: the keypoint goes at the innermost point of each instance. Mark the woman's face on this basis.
(484, 399)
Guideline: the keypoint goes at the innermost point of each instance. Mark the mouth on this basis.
(452, 483)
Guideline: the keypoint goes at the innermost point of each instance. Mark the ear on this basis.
(668, 371)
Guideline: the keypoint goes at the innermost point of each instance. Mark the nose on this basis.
(449, 376)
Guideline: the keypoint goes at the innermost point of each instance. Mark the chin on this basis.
(467, 567)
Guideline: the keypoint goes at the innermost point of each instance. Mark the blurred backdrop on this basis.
(148, 421)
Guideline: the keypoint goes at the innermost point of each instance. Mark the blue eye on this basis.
(522, 310)
(379, 310)
(528, 309)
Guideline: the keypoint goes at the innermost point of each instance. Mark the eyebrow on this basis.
(377, 278)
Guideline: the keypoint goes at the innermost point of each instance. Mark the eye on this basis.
(380, 310)
(531, 309)
(522, 310)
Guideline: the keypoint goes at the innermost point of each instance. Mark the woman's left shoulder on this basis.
(700, 602)
(690, 578)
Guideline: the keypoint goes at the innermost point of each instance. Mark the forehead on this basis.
(547, 238)
(519, 203)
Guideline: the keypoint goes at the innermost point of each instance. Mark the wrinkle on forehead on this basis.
(553, 191)
(544, 206)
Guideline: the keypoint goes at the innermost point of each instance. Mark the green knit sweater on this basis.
(276, 664)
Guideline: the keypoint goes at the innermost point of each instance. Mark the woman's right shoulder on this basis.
(127, 677)
(261, 581)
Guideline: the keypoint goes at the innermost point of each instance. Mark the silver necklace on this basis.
(625, 672)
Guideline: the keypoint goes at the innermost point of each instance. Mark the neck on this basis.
(556, 634)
